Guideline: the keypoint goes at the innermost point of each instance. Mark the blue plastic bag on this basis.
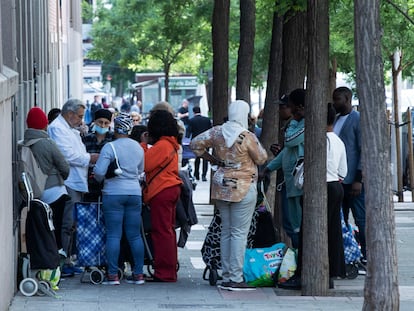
(261, 263)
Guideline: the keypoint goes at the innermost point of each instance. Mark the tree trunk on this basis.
(220, 39)
(167, 81)
(295, 53)
(381, 281)
(270, 132)
(246, 49)
(396, 65)
(315, 277)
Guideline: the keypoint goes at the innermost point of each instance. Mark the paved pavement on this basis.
(191, 292)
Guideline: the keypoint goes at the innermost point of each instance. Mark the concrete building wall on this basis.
(40, 65)
(9, 236)
(8, 219)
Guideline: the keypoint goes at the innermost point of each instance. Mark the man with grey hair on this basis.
(63, 130)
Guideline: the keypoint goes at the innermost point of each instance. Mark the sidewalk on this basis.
(193, 293)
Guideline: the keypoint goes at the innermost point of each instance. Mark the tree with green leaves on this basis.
(151, 34)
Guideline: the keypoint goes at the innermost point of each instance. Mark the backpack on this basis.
(31, 167)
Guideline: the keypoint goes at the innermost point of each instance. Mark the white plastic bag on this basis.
(288, 266)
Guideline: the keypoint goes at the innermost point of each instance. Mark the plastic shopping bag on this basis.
(288, 266)
(261, 263)
(52, 276)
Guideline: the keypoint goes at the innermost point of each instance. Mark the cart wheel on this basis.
(351, 271)
(120, 274)
(44, 288)
(212, 277)
(96, 276)
(28, 287)
(178, 266)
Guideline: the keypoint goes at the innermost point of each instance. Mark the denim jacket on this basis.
(350, 134)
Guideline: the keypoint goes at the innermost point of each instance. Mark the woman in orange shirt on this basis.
(162, 191)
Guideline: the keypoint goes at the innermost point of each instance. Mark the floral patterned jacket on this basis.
(232, 181)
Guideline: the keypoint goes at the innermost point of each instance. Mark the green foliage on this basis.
(152, 35)
(342, 35)
(398, 33)
(290, 7)
(87, 11)
(265, 10)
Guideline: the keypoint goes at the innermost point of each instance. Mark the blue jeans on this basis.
(357, 206)
(236, 218)
(123, 210)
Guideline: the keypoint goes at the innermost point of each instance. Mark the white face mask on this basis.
(100, 130)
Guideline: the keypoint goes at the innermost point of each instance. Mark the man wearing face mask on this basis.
(94, 143)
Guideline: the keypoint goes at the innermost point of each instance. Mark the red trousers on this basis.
(164, 240)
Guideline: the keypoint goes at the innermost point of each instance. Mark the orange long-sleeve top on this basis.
(161, 166)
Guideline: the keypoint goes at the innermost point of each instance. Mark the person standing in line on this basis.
(63, 131)
(95, 106)
(122, 200)
(347, 127)
(287, 158)
(197, 125)
(136, 118)
(293, 150)
(94, 142)
(234, 186)
(163, 105)
(52, 161)
(336, 168)
(285, 116)
(183, 113)
(52, 114)
(138, 132)
(162, 191)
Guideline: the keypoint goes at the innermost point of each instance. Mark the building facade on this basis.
(40, 65)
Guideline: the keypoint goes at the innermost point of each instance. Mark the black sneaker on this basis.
(292, 283)
(241, 286)
(224, 285)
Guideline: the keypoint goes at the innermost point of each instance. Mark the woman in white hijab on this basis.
(237, 152)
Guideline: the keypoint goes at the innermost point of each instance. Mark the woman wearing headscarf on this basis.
(237, 152)
(162, 191)
(121, 200)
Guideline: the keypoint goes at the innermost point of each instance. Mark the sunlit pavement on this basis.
(191, 292)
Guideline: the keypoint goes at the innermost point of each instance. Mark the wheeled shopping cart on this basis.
(38, 248)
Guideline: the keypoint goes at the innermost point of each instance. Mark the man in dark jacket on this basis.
(197, 125)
